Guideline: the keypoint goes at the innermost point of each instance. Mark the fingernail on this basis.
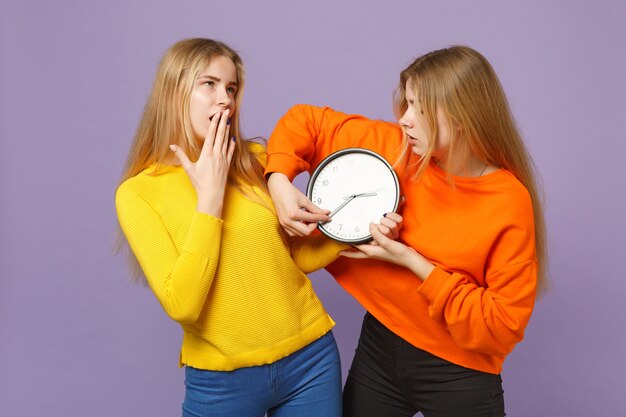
(385, 215)
(173, 148)
(233, 138)
(228, 121)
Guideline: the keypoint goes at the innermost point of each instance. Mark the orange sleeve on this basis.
(307, 134)
(490, 319)
(487, 320)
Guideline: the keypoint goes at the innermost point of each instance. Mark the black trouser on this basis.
(390, 377)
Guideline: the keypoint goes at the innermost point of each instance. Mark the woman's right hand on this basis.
(209, 173)
(296, 213)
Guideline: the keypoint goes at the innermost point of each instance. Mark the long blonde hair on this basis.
(460, 82)
(166, 121)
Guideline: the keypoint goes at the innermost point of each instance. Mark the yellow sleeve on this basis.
(311, 253)
(180, 281)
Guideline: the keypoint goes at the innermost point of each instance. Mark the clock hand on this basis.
(342, 205)
(348, 199)
(360, 195)
(366, 194)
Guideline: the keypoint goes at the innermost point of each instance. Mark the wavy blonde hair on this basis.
(461, 83)
(166, 121)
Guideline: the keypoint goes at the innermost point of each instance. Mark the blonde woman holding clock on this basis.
(449, 300)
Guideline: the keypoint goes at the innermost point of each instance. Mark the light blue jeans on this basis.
(306, 383)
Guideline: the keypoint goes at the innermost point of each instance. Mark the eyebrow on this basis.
(211, 77)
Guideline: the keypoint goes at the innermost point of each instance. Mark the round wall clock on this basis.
(358, 186)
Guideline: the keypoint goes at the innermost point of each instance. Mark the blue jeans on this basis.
(306, 383)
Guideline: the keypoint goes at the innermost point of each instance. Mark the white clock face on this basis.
(358, 186)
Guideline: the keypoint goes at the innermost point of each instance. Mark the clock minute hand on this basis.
(342, 205)
(368, 194)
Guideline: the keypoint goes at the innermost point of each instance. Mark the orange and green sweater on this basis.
(475, 305)
(236, 285)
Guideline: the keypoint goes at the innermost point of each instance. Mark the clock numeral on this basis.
(335, 168)
(340, 226)
(356, 229)
(319, 200)
(325, 183)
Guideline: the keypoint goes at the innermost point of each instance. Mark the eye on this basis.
(231, 90)
(210, 83)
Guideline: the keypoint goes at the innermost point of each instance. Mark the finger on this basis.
(392, 227)
(393, 216)
(394, 222)
(388, 223)
(182, 157)
(228, 140)
(377, 235)
(304, 202)
(299, 229)
(321, 214)
(368, 249)
(220, 140)
(209, 139)
(354, 254)
(309, 228)
(232, 144)
(384, 229)
(306, 217)
(291, 231)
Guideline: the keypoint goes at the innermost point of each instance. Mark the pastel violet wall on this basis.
(77, 339)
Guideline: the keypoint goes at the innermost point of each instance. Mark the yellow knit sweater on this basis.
(236, 285)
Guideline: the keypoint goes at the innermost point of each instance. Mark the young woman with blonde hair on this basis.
(195, 210)
(452, 297)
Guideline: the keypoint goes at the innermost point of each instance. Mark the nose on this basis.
(405, 120)
(224, 100)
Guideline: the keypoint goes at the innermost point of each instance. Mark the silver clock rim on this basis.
(330, 158)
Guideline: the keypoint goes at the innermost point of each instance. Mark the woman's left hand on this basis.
(386, 249)
(382, 247)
